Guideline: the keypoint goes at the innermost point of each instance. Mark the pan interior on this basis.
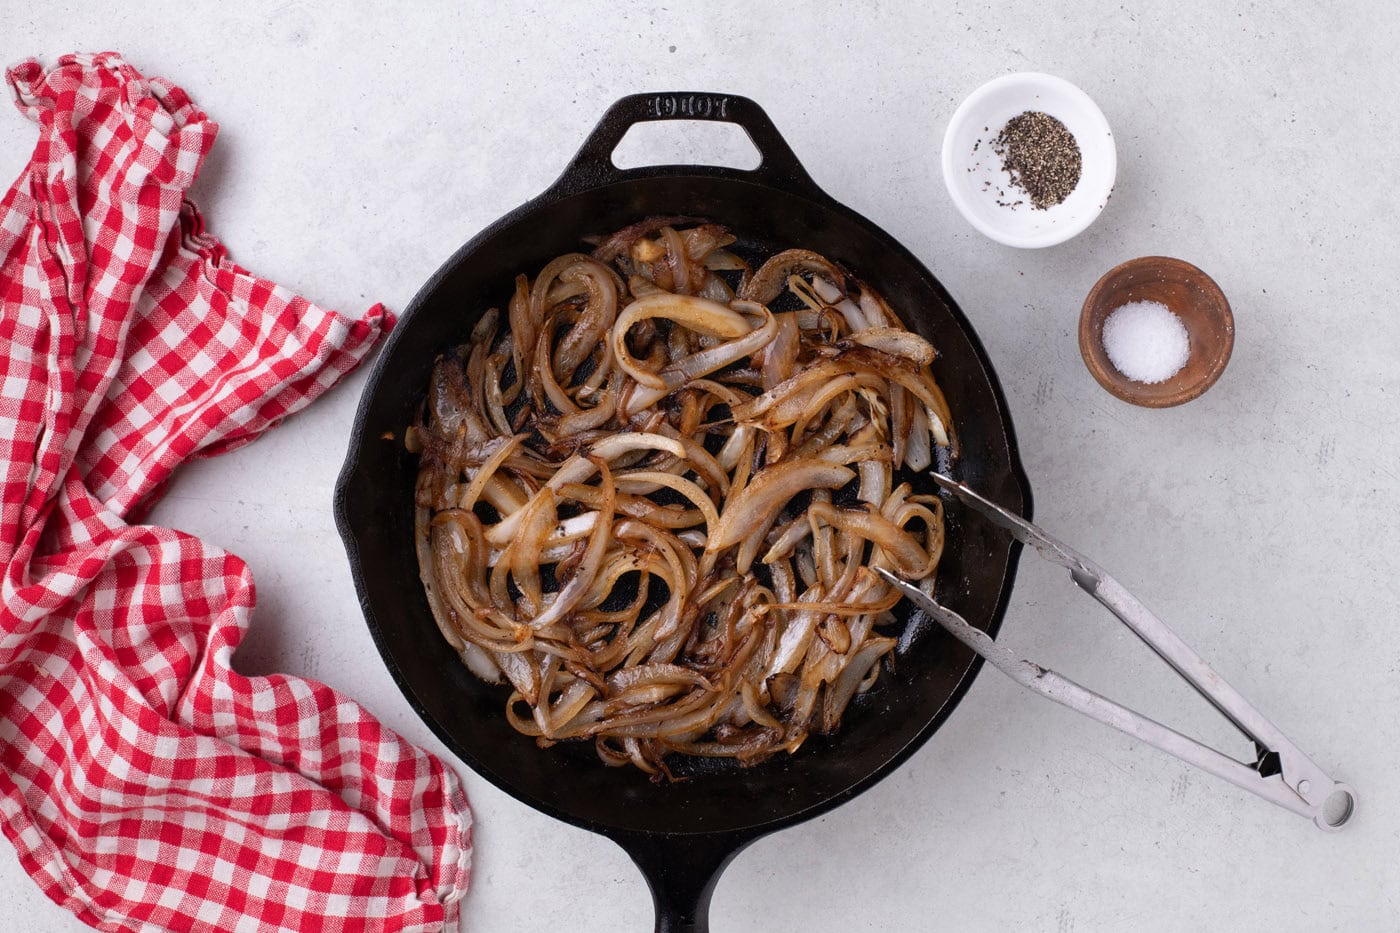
(374, 508)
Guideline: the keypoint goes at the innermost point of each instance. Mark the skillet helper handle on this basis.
(593, 166)
(682, 872)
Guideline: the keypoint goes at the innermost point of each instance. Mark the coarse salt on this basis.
(1145, 341)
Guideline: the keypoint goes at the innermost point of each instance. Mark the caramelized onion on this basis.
(603, 466)
(752, 511)
(696, 314)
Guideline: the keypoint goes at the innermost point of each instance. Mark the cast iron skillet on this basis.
(682, 835)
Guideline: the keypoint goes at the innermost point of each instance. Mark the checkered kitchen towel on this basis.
(145, 783)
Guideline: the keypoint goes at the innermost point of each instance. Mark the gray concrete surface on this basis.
(357, 150)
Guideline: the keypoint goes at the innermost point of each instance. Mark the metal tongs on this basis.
(1281, 773)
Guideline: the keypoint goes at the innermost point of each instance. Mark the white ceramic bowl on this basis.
(968, 160)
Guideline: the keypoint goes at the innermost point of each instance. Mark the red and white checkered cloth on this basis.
(145, 783)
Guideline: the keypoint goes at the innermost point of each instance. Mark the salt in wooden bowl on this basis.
(1188, 293)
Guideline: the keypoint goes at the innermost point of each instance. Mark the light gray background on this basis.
(359, 149)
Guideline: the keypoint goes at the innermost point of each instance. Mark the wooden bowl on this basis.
(1192, 296)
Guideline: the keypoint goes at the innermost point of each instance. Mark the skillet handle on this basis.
(682, 872)
(593, 166)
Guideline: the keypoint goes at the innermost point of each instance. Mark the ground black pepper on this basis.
(1041, 156)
